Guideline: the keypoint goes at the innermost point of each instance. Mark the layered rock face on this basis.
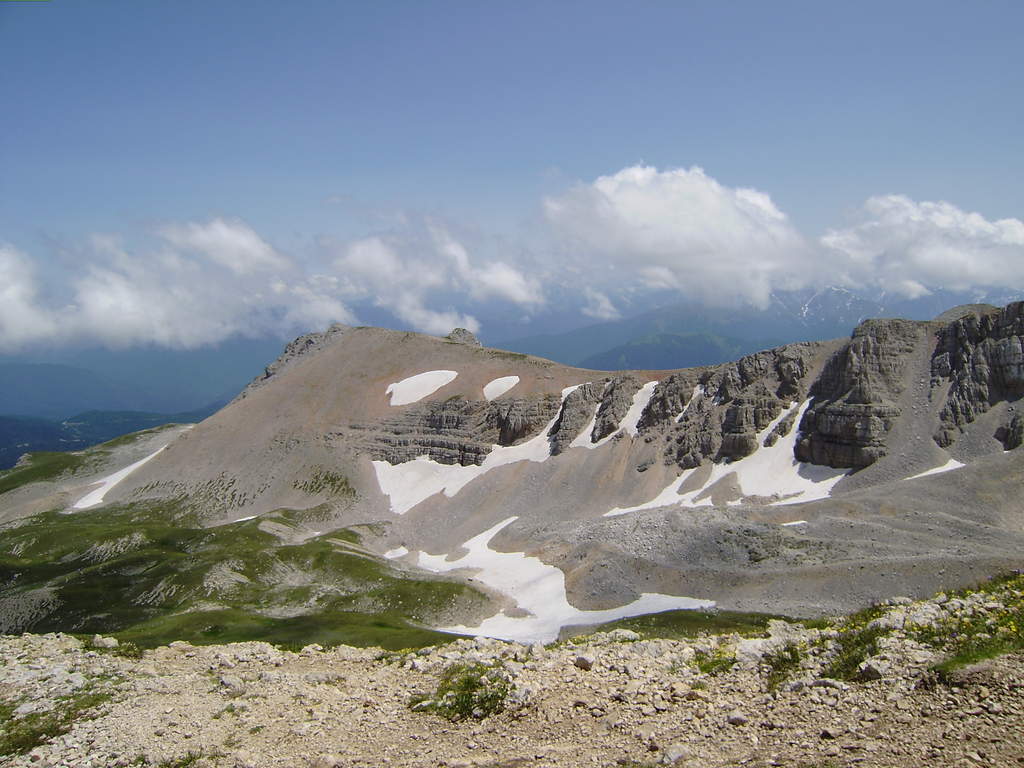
(452, 431)
(855, 398)
(981, 359)
(717, 413)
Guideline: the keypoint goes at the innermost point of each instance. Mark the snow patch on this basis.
(96, 495)
(415, 388)
(537, 588)
(948, 466)
(409, 483)
(395, 553)
(636, 410)
(769, 472)
(698, 391)
(499, 387)
(794, 522)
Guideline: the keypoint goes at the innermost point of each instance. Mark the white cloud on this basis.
(913, 248)
(681, 229)
(410, 274)
(231, 244)
(599, 306)
(22, 319)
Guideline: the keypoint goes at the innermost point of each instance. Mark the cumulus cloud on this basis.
(232, 244)
(912, 248)
(22, 319)
(408, 275)
(681, 229)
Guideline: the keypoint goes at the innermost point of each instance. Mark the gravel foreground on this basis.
(604, 700)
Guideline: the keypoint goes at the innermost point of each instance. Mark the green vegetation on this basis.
(20, 735)
(44, 465)
(983, 632)
(858, 639)
(676, 625)
(782, 663)
(145, 574)
(715, 663)
(467, 690)
(327, 482)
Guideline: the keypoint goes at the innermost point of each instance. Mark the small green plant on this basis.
(857, 639)
(715, 663)
(20, 735)
(189, 759)
(467, 690)
(782, 663)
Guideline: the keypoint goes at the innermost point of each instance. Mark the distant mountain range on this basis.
(23, 434)
(687, 334)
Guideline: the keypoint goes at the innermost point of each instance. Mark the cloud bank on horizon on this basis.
(638, 230)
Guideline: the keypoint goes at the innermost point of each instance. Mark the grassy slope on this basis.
(144, 573)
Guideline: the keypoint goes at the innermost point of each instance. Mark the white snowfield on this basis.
(949, 465)
(395, 553)
(499, 387)
(411, 482)
(769, 472)
(415, 388)
(95, 496)
(537, 588)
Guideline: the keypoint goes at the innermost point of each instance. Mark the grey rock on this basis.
(98, 641)
(615, 401)
(855, 397)
(584, 661)
(736, 718)
(980, 357)
(463, 336)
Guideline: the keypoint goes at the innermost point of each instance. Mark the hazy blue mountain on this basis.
(21, 434)
(671, 350)
(57, 383)
(790, 316)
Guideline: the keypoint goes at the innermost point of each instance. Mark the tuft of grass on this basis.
(21, 735)
(714, 664)
(41, 465)
(853, 646)
(782, 663)
(467, 690)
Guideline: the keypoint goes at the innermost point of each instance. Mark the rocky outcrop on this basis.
(295, 350)
(720, 415)
(577, 411)
(981, 359)
(463, 336)
(454, 431)
(616, 400)
(855, 398)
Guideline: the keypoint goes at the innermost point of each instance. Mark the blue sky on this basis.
(340, 135)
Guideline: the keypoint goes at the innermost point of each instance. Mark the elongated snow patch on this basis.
(771, 472)
(415, 388)
(409, 483)
(95, 496)
(539, 589)
(499, 387)
(948, 466)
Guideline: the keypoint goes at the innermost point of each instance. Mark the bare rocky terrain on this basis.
(861, 691)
